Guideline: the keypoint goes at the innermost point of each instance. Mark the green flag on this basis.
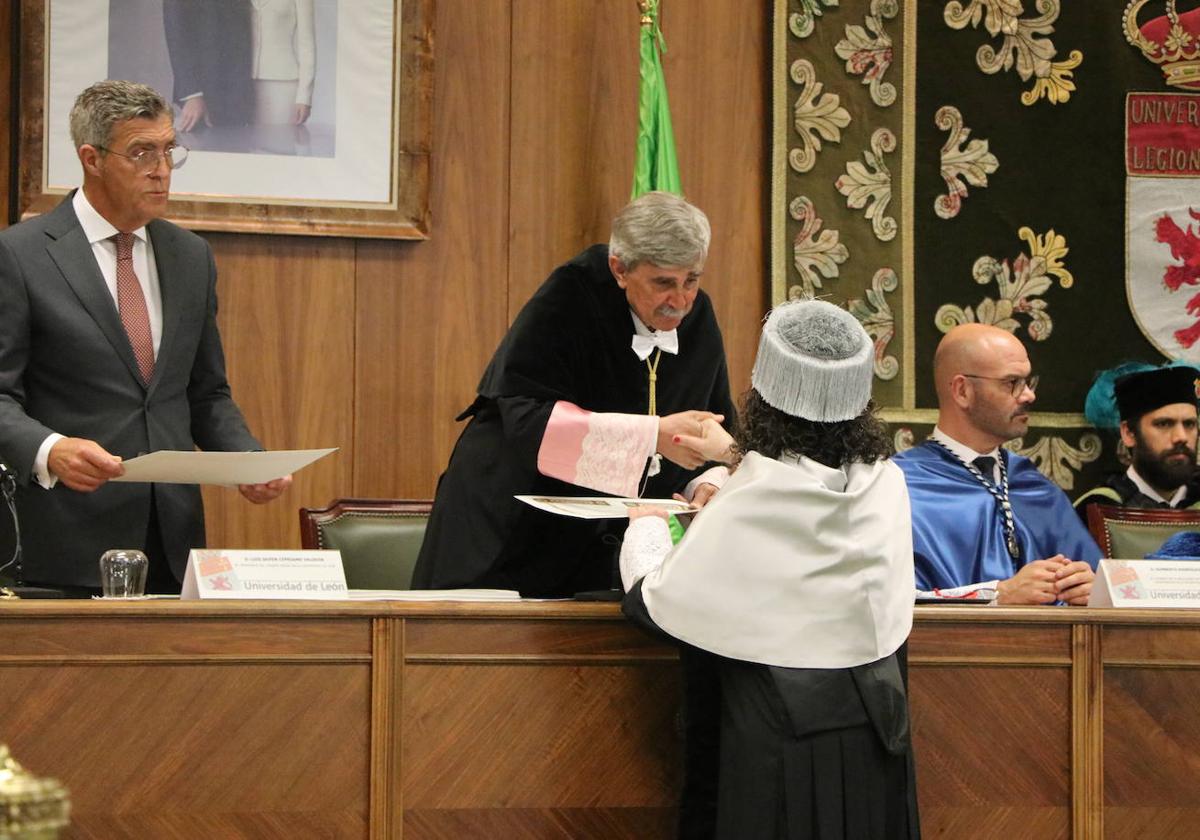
(655, 167)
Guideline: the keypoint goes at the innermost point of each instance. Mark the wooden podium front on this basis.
(557, 720)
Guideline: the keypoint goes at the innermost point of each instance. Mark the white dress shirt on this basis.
(644, 342)
(99, 232)
(646, 339)
(966, 454)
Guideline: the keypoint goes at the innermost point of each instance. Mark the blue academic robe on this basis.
(958, 530)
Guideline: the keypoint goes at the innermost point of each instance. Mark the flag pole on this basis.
(655, 164)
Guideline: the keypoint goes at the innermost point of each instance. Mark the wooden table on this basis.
(295, 720)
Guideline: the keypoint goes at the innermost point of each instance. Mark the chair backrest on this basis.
(1131, 533)
(379, 538)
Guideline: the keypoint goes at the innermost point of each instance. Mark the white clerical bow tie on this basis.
(666, 340)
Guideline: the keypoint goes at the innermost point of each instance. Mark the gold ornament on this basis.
(30, 808)
(1178, 53)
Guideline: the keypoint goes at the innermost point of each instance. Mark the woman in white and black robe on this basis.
(799, 576)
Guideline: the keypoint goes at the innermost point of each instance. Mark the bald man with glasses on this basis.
(109, 349)
(986, 524)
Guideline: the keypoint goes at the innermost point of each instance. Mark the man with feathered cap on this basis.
(798, 576)
(1154, 411)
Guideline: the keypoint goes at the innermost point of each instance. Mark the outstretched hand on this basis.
(673, 428)
(713, 442)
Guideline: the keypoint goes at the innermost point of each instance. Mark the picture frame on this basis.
(393, 203)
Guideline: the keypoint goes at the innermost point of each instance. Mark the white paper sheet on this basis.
(228, 468)
(601, 507)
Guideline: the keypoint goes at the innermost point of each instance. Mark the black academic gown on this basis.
(1119, 490)
(808, 753)
(570, 342)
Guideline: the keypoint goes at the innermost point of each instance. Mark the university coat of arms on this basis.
(1162, 167)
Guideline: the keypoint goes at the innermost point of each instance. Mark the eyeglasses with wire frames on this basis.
(1016, 384)
(146, 160)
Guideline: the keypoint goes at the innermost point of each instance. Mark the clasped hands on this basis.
(1056, 578)
(693, 438)
(85, 465)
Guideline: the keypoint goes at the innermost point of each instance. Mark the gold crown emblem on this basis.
(1169, 40)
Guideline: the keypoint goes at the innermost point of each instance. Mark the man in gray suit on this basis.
(109, 349)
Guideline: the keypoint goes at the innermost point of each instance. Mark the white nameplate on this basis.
(1146, 584)
(229, 573)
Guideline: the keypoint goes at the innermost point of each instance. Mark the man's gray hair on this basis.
(107, 103)
(662, 229)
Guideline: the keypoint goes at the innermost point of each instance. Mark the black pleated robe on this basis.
(570, 342)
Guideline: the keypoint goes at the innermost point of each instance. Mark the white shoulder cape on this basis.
(793, 564)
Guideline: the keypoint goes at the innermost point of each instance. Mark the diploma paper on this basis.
(601, 507)
(229, 468)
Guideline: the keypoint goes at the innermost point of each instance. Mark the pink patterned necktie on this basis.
(131, 303)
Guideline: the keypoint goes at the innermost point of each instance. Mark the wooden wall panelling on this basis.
(1087, 733)
(717, 71)
(254, 756)
(387, 686)
(185, 728)
(143, 638)
(575, 88)
(962, 681)
(1151, 752)
(555, 730)
(430, 314)
(574, 106)
(448, 640)
(8, 113)
(287, 321)
(1151, 735)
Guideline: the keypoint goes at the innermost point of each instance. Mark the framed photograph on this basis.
(308, 117)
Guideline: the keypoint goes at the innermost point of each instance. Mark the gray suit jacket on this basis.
(66, 366)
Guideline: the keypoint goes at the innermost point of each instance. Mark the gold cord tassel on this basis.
(653, 368)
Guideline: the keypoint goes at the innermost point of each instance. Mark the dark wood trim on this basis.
(1087, 733)
(384, 720)
(9, 112)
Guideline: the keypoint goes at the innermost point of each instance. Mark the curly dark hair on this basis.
(772, 433)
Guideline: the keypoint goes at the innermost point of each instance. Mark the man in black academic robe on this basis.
(571, 344)
(619, 338)
(1158, 424)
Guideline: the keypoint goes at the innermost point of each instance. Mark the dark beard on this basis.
(1161, 475)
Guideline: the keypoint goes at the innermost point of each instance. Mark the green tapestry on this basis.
(946, 161)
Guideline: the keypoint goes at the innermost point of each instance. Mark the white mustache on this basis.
(670, 311)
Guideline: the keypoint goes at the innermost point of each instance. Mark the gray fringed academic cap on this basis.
(815, 361)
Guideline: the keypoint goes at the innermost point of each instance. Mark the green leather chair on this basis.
(1131, 533)
(379, 538)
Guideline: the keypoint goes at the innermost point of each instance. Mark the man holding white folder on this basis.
(109, 349)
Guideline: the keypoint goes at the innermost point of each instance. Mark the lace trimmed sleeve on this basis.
(647, 543)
